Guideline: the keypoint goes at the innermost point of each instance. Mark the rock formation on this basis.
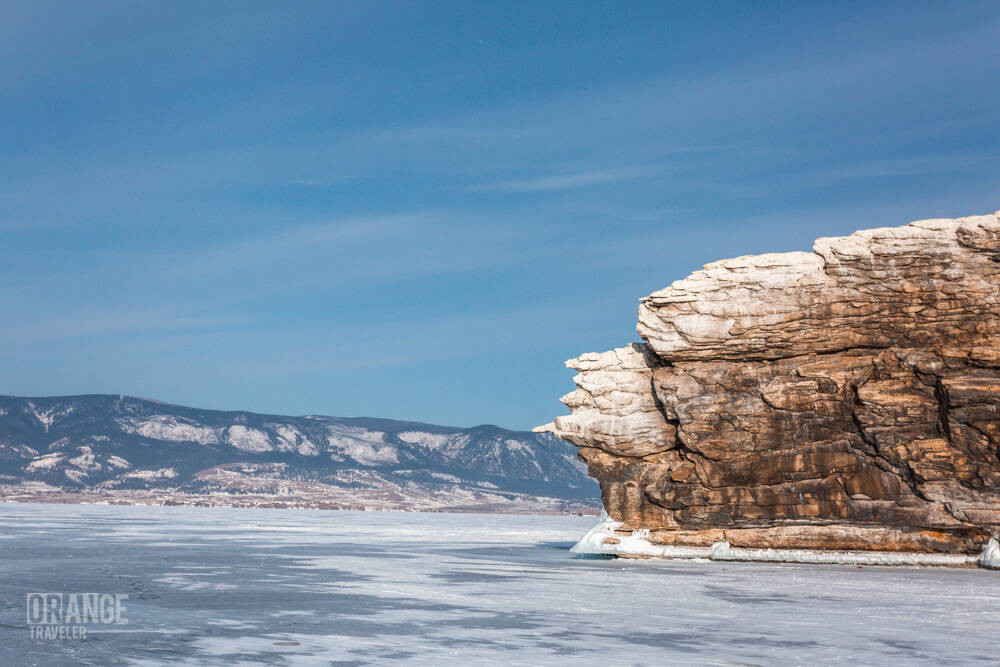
(843, 399)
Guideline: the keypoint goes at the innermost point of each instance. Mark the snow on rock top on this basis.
(159, 473)
(366, 447)
(45, 462)
(291, 439)
(85, 460)
(248, 439)
(118, 462)
(48, 417)
(365, 453)
(428, 440)
(169, 428)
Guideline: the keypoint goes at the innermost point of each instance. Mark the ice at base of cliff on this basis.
(990, 558)
(637, 544)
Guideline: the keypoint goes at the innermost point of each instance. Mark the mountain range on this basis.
(121, 449)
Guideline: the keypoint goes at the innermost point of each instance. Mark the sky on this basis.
(420, 210)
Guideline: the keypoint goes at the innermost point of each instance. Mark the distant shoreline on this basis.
(264, 502)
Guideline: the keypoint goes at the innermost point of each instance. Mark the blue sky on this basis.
(418, 211)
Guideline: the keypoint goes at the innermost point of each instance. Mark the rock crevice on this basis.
(847, 398)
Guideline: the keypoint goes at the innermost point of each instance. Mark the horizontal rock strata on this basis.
(844, 399)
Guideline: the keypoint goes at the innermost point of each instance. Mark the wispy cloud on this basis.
(919, 165)
(573, 180)
(324, 180)
(158, 322)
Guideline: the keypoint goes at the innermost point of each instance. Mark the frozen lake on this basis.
(232, 586)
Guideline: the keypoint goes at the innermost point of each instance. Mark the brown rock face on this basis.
(847, 398)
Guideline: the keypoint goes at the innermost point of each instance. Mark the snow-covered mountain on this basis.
(123, 449)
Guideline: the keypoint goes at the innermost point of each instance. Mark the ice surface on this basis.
(224, 586)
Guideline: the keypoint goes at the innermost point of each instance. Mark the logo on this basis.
(67, 615)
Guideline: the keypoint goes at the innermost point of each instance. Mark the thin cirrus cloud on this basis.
(114, 322)
(573, 180)
(356, 251)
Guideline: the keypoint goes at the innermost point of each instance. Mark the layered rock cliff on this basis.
(845, 399)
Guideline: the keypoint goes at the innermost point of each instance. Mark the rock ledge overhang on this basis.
(846, 399)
